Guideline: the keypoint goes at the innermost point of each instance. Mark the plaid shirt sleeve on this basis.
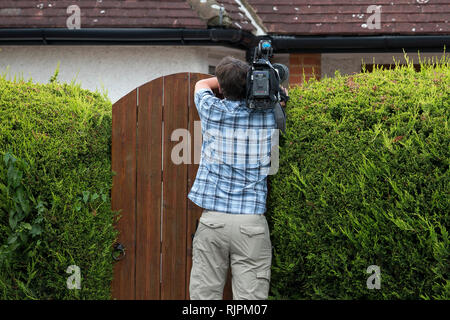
(205, 100)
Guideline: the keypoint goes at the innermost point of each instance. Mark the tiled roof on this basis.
(325, 17)
(111, 13)
(99, 14)
(301, 17)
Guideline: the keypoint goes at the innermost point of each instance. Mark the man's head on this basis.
(232, 76)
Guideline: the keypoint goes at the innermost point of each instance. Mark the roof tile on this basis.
(301, 17)
(99, 13)
(345, 17)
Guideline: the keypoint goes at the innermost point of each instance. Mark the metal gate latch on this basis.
(118, 247)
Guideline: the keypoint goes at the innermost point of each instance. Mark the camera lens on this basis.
(283, 71)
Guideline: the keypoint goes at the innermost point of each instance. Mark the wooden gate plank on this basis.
(124, 190)
(193, 211)
(174, 190)
(148, 211)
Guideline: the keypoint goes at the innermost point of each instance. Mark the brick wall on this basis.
(307, 63)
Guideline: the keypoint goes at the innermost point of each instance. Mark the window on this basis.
(212, 70)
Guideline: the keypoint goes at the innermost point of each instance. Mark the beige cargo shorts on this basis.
(239, 240)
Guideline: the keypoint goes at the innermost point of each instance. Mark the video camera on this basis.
(263, 83)
(264, 79)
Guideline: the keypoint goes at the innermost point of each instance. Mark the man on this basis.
(231, 187)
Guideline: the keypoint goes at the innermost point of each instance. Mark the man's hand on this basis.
(210, 83)
(283, 103)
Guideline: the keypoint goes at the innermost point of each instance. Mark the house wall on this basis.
(303, 66)
(118, 69)
(348, 63)
(326, 64)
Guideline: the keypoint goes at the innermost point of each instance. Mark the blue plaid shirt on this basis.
(235, 156)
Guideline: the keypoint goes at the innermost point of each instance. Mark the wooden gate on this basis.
(157, 219)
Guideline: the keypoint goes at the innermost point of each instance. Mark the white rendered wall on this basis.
(119, 69)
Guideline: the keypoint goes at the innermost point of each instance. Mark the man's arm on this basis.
(210, 83)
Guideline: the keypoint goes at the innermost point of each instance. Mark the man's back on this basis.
(236, 149)
(231, 187)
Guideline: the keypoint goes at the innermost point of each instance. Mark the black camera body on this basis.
(264, 79)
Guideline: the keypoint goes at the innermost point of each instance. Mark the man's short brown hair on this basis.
(232, 76)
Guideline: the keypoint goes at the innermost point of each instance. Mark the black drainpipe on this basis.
(222, 37)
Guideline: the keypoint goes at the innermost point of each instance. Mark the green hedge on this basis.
(364, 180)
(55, 181)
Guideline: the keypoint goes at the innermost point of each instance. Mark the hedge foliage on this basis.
(55, 181)
(364, 180)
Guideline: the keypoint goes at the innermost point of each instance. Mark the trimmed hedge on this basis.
(364, 180)
(55, 181)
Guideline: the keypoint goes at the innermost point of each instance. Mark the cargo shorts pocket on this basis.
(254, 240)
(211, 223)
(207, 239)
(206, 224)
(262, 284)
(252, 230)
